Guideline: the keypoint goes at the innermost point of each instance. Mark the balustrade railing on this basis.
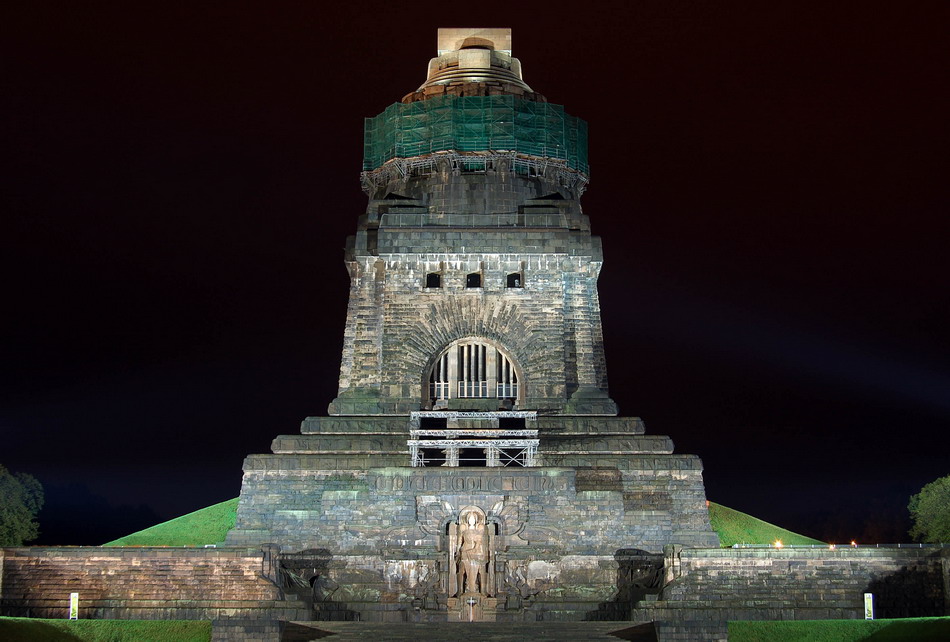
(470, 389)
(507, 391)
(439, 390)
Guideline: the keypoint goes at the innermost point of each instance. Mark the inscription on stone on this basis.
(470, 483)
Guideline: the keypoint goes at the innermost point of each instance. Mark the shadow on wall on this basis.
(911, 592)
(305, 575)
(639, 574)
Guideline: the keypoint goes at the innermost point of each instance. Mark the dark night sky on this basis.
(769, 179)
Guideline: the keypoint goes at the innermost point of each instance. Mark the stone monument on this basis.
(472, 465)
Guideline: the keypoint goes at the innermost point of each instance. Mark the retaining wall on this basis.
(710, 587)
(714, 586)
(148, 583)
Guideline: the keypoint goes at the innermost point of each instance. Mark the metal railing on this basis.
(439, 390)
(473, 389)
(507, 391)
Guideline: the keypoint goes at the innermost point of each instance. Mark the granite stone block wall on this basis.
(396, 326)
(247, 630)
(148, 583)
(297, 502)
(380, 531)
(715, 586)
(711, 586)
(454, 223)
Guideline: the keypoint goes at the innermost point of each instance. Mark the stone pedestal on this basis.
(471, 607)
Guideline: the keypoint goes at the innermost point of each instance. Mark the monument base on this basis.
(472, 607)
(379, 517)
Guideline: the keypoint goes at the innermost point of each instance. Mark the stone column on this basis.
(453, 372)
(491, 364)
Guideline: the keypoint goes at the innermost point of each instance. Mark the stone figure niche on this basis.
(471, 552)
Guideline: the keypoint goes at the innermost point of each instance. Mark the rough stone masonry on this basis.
(472, 466)
(473, 377)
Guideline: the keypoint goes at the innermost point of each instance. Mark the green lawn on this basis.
(21, 629)
(734, 527)
(205, 526)
(918, 628)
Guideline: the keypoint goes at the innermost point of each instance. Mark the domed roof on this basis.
(473, 62)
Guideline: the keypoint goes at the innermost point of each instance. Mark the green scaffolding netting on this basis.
(475, 124)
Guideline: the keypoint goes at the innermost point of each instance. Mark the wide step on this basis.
(482, 631)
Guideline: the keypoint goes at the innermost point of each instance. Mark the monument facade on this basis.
(472, 465)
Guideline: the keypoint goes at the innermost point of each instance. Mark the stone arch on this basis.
(526, 338)
(473, 368)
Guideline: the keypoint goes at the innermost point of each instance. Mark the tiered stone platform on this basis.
(375, 529)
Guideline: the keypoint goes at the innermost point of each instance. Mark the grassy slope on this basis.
(734, 527)
(17, 629)
(922, 628)
(205, 526)
(210, 526)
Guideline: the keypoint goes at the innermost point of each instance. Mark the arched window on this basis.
(433, 280)
(514, 280)
(473, 280)
(473, 369)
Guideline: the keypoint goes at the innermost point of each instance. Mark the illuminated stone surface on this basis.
(474, 318)
(473, 321)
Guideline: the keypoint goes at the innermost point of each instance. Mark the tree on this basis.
(930, 510)
(21, 498)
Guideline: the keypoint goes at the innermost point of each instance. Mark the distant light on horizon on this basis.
(802, 352)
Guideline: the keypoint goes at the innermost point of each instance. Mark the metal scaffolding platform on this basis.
(473, 439)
